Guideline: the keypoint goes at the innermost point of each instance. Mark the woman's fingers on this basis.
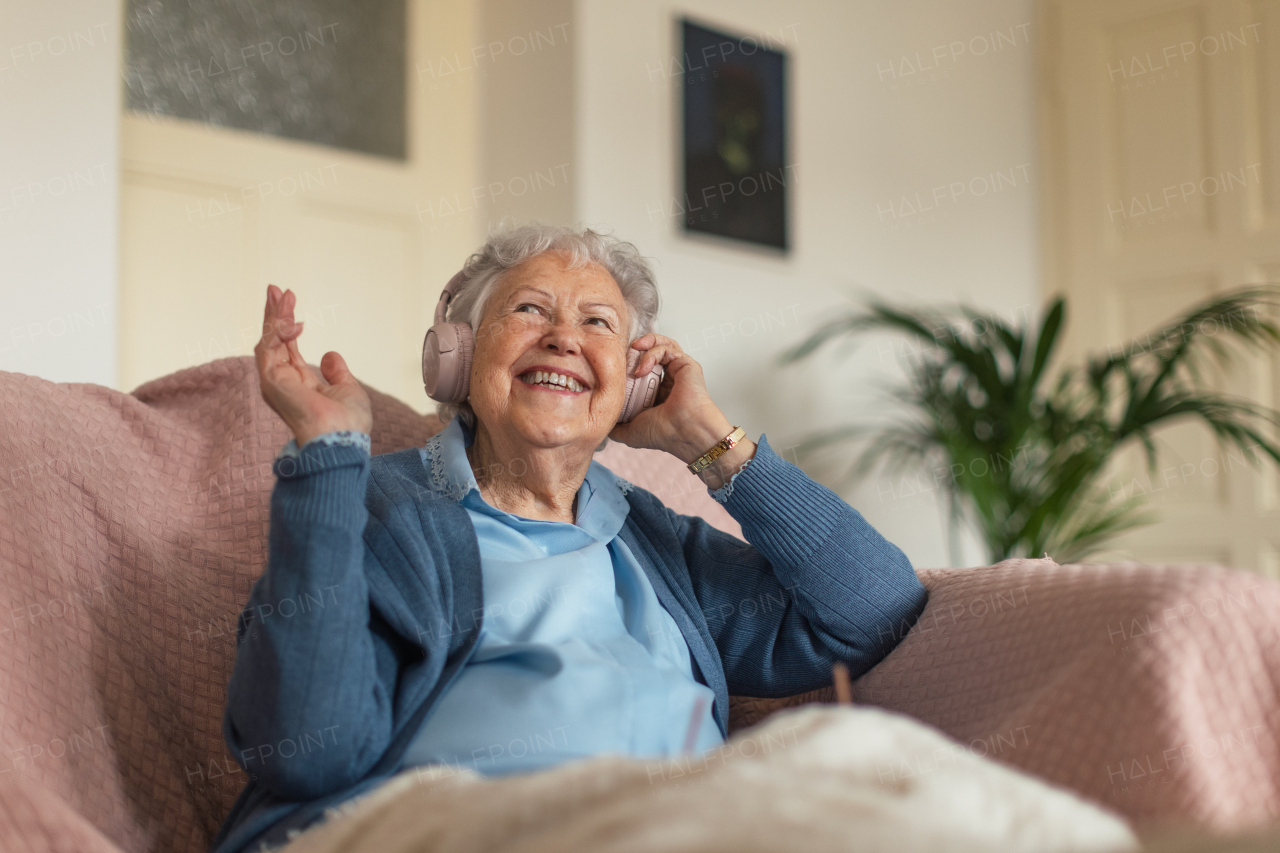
(273, 296)
(283, 325)
(660, 350)
(291, 345)
(277, 320)
(278, 326)
(278, 357)
(305, 397)
(334, 370)
(657, 349)
(268, 317)
(271, 314)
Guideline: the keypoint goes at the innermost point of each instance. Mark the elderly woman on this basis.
(498, 600)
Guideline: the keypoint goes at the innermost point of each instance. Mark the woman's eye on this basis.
(526, 305)
(603, 322)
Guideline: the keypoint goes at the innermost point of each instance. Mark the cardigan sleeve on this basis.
(308, 711)
(813, 584)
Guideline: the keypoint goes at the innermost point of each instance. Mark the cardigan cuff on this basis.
(324, 484)
(334, 438)
(721, 494)
(780, 507)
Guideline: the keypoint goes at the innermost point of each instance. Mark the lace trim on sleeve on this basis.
(722, 494)
(349, 437)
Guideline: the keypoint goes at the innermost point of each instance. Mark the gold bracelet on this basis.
(717, 450)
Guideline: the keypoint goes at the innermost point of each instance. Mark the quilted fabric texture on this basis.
(133, 525)
(1149, 689)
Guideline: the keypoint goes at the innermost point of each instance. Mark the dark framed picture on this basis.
(736, 175)
(330, 72)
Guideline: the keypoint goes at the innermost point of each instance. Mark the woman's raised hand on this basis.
(683, 421)
(310, 403)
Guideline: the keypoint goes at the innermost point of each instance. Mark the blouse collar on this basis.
(602, 503)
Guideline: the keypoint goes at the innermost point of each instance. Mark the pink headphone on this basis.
(448, 348)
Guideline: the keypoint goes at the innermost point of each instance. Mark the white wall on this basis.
(865, 133)
(59, 180)
(863, 137)
(526, 108)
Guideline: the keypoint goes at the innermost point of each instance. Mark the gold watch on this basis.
(718, 449)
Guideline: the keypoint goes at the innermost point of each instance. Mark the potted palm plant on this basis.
(1023, 447)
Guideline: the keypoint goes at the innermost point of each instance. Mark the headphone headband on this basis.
(446, 296)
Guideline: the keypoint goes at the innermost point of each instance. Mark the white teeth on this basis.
(556, 380)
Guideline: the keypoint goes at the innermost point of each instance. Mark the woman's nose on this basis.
(563, 337)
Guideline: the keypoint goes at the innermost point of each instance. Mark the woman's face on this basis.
(543, 318)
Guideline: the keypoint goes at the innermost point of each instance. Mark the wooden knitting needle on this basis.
(695, 724)
(844, 692)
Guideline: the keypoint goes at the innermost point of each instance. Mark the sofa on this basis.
(133, 525)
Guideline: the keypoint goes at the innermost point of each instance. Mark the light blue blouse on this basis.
(576, 656)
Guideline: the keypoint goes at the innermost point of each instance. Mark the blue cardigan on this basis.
(372, 598)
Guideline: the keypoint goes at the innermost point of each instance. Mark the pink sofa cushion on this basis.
(1154, 690)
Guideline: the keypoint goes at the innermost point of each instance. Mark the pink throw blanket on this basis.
(132, 526)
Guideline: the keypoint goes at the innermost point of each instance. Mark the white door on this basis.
(211, 215)
(1161, 147)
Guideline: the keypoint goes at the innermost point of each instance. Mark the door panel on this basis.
(1147, 97)
(211, 215)
(1264, 109)
(1161, 139)
(358, 270)
(1192, 471)
(177, 310)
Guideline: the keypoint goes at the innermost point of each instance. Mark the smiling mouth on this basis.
(551, 381)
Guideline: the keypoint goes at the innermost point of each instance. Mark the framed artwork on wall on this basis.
(736, 175)
(330, 72)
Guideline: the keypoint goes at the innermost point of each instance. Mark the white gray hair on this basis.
(507, 248)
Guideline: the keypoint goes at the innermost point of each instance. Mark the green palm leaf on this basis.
(1023, 455)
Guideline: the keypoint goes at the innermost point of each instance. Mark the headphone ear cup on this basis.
(466, 353)
(642, 391)
(447, 353)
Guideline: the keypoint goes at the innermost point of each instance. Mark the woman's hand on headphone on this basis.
(310, 403)
(684, 421)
